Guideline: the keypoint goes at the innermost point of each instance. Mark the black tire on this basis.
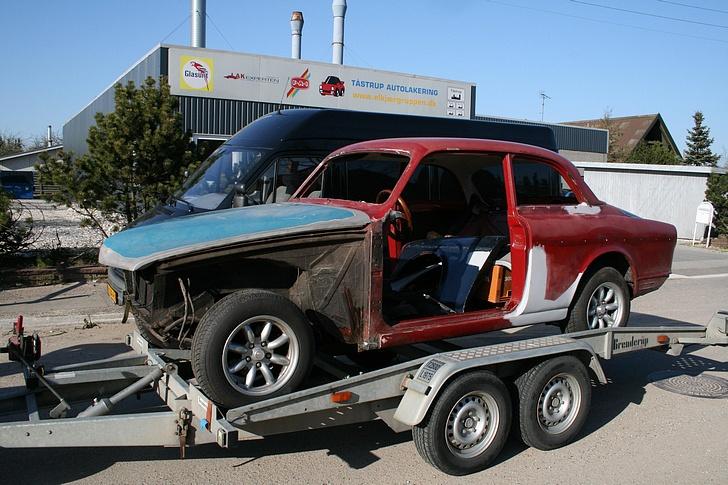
(577, 320)
(225, 320)
(547, 429)
(436, 448)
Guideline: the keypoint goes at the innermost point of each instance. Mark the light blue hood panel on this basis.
(141, 246)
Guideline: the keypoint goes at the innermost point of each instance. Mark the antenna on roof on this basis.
(544, 97)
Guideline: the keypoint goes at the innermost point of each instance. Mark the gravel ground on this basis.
(58, 226)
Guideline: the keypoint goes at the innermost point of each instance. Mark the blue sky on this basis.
(59, 55)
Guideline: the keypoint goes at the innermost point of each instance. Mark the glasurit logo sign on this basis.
(196, 73)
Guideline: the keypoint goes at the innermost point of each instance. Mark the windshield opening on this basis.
(367, 177)
(216, 178)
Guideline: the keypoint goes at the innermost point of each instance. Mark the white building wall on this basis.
(668, 193)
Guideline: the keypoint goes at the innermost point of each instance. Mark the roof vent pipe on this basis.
(49, 137)
(337, 45)
(197, 25)
(296, 30)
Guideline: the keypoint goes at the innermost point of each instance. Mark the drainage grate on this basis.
(701, 385)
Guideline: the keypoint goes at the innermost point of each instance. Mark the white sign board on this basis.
(704, 214)
(229, 75)
(703, 217)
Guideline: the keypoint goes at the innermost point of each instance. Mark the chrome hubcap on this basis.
(260, 355)
(559, 403)
(606, 306)
(471, 424)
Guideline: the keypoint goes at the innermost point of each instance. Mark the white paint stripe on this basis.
(674, 276)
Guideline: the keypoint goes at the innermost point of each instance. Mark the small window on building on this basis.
(538, 183)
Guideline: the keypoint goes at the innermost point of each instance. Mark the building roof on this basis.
(31, 152)
(593, 139)
(634, 129)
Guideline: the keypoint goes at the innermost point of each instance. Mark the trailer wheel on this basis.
(554, 398)
(251, 345)
(466, 426)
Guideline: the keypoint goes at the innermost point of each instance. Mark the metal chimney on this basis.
(337, 45)
(197, 25)
(49, 136)
(296, 30)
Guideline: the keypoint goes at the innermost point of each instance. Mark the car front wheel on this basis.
(251, 345)
(604, 301)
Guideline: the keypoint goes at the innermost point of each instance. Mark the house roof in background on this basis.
(31, 152)
(634, 129)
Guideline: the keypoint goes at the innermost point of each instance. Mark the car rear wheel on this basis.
(250, 346)
(602, 302)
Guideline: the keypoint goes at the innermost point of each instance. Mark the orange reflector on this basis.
(663, 339)
(341, 396)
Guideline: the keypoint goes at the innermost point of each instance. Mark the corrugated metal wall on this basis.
(567, 137)
(222, 116)
(665, 193)
(75, 131)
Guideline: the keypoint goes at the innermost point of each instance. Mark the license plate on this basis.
(112, 293)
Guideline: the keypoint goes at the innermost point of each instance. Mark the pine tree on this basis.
(136, 158)
(698, 151)
(717, 194)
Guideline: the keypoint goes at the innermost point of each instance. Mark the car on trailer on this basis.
(388, 243)
(266, 161)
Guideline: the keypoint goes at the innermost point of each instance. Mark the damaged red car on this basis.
(387, 243)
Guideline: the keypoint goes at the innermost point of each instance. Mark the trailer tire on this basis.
(251, 345)
(451, 437)
(553, 402)
(610, 280)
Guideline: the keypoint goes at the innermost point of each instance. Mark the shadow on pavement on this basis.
(51, 296)
(68, 464)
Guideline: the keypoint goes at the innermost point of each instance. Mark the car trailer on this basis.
(459, 403)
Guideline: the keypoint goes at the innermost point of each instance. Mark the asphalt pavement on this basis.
(636, 432)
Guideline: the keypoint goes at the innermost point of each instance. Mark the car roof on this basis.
(423, 146)
(354, 126)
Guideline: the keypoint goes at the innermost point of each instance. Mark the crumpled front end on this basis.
(138, 247)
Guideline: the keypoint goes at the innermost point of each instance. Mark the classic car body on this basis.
(386, 243)
(344, 262)
(271, 156)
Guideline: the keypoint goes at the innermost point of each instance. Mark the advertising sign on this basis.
(230, 75)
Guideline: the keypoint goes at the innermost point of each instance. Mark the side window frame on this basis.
(511, 174)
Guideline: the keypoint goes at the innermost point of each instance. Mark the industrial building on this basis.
(220, 92)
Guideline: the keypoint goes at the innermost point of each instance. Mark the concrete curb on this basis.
(33, 322)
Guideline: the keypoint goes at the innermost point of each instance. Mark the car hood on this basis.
(138, 247)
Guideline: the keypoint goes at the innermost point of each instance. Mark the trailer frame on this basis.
(401, 395)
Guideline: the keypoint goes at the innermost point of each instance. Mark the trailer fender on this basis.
(425, 385)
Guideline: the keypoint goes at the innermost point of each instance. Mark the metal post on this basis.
(296, 30)
(197, 24)
(337, 45)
